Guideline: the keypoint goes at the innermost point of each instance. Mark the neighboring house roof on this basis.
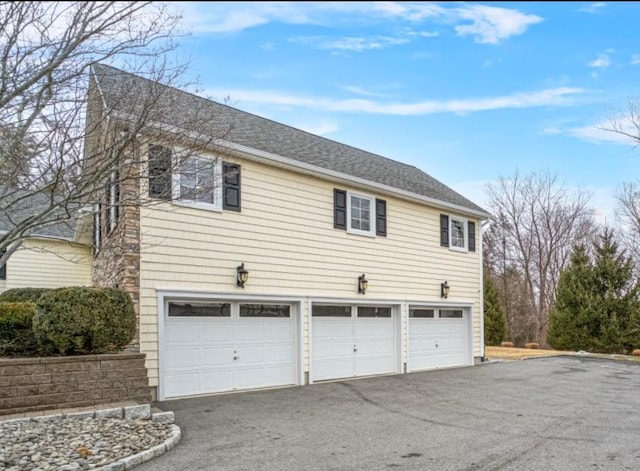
(252, 131)
(17, 205)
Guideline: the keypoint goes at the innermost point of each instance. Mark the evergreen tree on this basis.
(569, 319)
(494, 321)
(598, 303)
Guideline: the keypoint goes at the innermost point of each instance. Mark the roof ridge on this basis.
(272, 137)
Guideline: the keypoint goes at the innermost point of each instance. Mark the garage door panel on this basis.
(333, 368)
(278, 330)
(215, 332)
(200, 351)
(437, 342)
(332, 329)
(216, 356)
(182, 359)
(183, 384)
(247, 377)
(279, 353)
(373, 329)
(248, 332)
(216, 380)
(354, 346)
(373, 347)
(182, 333)
(374, 365)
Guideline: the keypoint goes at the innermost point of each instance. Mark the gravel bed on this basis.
(70, 444)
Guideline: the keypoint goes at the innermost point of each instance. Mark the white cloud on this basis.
(354, 44)
(552, 130)
(595, 134)
(487, 25)
(601, 62)
(547, 97)
(593, 7)
(422, 34)
(635, 59)
(490, 25)
(361, 91)
(319, 128)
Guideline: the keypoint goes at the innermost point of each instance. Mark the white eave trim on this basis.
(315, 170)
(47, 237)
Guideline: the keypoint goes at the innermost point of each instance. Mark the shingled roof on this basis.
(17, 206)
(255, 132)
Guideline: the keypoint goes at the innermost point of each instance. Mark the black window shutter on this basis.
(159, 172)
(381, 217)
(339, 209)
(472, 236)
(231, 186)
(444, 230)
(3, 268)
(116, 184)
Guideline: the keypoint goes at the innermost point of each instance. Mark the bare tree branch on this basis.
(536, 223)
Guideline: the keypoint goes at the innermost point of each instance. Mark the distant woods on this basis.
(542, 233)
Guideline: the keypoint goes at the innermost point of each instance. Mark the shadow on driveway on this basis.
(557, 413)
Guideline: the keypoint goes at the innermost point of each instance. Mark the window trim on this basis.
(372, 214)
(97, 228)
(465, 235)
(114, 199)
(218, 186)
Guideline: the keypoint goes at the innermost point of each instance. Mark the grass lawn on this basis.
(501, 353)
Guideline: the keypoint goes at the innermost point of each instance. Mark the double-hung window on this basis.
(197, 182)
(457, 233)
(360, 211)
(193, 180)
(458, 230)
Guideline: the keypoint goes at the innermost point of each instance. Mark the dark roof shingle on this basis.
(252, 131)
(17, 206)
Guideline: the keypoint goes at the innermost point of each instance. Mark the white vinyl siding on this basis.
(286, 239)
(48, 263)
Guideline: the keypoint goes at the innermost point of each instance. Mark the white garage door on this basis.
(352, 341)
(217, 346)
(437, 338)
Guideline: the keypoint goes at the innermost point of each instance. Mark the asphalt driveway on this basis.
(559, 413)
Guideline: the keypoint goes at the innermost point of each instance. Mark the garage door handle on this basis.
(235, 357)
(436, 344)
(354, 349)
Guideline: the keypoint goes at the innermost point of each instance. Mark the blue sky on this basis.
(468, 92)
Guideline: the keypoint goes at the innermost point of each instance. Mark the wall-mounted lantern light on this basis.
(363, 284)
(444, 290)
(242, 275)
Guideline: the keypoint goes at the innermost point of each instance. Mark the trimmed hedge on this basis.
(16, 334)
(84, 320)
(19, 295)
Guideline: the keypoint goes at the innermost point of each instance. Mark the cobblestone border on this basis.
(134, 412)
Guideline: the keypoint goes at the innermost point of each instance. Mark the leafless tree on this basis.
(625, 123)
(536, 221)
(47, 49)
(628, 214)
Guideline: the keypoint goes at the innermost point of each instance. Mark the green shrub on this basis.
(18, 295)
(16, 334)
(84, 320)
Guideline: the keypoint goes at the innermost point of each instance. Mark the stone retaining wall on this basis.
(32, 384)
